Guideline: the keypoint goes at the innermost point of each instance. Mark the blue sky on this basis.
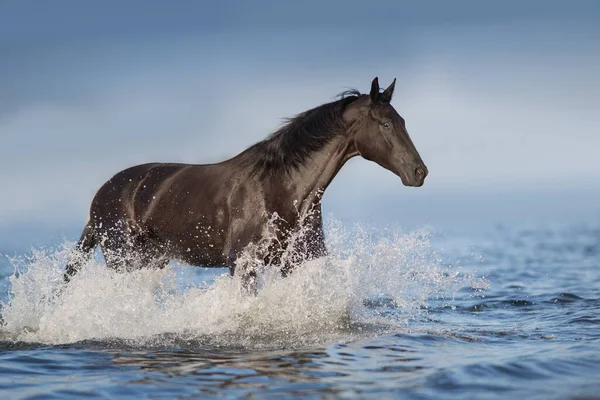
(500, 98)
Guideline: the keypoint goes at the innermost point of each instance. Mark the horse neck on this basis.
(309, 181)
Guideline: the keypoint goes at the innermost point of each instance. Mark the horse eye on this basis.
(386, 125)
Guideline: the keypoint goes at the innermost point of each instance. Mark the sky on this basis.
(500, 98)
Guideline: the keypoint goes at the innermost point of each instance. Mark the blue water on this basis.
(500, 311)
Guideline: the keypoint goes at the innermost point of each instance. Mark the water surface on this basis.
(483, 313)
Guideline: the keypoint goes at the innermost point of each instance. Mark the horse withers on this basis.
(207, 214)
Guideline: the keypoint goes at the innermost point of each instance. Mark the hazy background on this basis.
(502, 100)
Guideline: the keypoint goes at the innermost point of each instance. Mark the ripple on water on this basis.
(386, 318)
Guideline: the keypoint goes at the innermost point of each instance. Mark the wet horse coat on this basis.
(206, 215)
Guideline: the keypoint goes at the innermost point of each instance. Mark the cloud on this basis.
(480, 118)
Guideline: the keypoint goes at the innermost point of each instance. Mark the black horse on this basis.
(208, 214)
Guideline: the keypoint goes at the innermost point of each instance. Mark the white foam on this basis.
(321, 300)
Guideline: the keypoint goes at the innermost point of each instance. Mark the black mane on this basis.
(289, 147)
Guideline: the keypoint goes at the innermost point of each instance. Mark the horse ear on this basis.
(374, 90)
(389, 92)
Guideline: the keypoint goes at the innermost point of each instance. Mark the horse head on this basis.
(379, 134)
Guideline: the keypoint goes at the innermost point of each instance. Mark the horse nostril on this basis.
(419, 171)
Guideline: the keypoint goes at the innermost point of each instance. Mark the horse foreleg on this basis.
(312, 246)
(247, 270)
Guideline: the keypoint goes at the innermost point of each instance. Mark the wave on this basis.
(371, 282)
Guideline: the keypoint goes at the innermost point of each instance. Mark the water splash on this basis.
(370, 281)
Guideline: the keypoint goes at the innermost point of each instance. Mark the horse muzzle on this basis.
(414, 175)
